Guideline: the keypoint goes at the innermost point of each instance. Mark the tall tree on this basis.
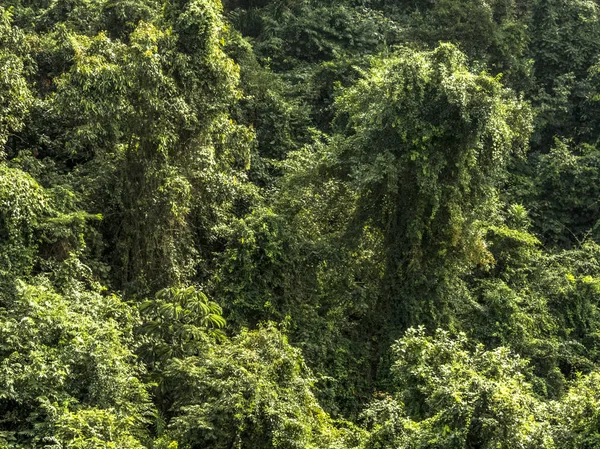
(146, 122)
(423, 145)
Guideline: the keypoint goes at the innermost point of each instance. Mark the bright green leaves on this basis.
(38, 227)
(426, 140)
(253, 391)
(65, 357)
(451, 393)
(87, 97)
(428, 365)
(114, 91)
(22, 206)
(176, 322)
(15, 96)
(62, 356)
(93, 428)
(577, 423)
(127, 109)
(456, 396)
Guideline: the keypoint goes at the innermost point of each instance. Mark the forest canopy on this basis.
(299, 224)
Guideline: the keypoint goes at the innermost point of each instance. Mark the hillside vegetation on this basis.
(300, 224)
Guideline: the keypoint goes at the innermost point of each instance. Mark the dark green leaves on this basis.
(15, 96)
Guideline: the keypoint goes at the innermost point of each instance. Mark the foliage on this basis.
(577, 426)
(494, 33)
(15, 96)
(174, 321)
(442, 136)
(148, 85)
(39, 228)
(96, 428)
(66, 365)
(561, 195)
(450, 393)
(255, 392)
(457, 397)
(216, 220)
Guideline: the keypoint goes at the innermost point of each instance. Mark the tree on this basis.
(146, 123)
(66, 359)
(492, 34)
(423, 143)
(450, 395)
(251, 392)
(177, 323)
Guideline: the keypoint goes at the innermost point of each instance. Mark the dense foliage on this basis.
(299, 224)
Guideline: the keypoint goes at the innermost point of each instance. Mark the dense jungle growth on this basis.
(300, 224)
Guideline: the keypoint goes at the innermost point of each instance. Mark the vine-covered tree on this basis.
(425, 141)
